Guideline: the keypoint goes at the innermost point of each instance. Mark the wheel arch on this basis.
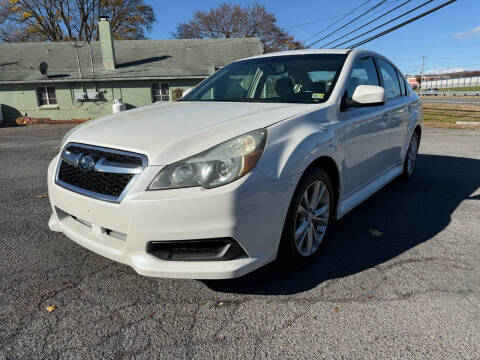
(329, 165)
(418, 130)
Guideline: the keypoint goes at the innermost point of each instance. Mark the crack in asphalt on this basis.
(189, 335)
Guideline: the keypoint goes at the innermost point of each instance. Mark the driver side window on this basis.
(364, 73)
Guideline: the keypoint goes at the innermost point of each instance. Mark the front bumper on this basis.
(250, 210)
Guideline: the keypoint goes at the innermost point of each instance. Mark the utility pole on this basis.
(421, 74)
(91, 64)
(76, 46)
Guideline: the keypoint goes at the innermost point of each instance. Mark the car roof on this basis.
(351, 52)
(305, 52)
(314, 51)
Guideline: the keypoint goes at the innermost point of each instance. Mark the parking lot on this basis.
(399, 278)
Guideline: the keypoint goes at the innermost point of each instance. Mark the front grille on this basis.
(105, 183)
(98, 182)
(110, 156)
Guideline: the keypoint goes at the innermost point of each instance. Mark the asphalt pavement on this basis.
(399, 278)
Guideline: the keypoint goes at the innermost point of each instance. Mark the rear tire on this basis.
(310, 216)
(411, 157)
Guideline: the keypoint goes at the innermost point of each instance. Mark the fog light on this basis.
(220, 249)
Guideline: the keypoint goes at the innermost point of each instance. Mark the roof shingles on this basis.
(135, 59)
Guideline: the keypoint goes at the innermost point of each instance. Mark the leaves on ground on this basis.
(41, 196)
(335, 309)
(375, 232)
(50, 308)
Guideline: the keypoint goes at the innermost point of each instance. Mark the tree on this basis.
(57, 20)
(235, 21)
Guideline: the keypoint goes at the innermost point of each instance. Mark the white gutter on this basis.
(70, 80)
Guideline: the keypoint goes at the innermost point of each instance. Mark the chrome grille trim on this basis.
(101, 166)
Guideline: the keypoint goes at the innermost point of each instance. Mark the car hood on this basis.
(170, 132)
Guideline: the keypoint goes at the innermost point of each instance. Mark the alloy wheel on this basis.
(311, 219)
(412, 154)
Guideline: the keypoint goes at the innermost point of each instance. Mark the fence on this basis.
(451, 83)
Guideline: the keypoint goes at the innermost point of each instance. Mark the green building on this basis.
(84, 79)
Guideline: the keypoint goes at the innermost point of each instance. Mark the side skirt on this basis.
(368, 190)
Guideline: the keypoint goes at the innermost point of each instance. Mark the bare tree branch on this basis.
(235, 21)
(56, 20)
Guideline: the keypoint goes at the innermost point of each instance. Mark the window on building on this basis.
(46, 96)
(160, 92)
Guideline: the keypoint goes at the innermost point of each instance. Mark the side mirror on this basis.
(369, 95)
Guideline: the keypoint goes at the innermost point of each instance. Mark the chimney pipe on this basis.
(106, 43)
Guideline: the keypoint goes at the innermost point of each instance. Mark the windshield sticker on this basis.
(318, 95)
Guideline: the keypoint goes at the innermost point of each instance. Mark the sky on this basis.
(449, 37)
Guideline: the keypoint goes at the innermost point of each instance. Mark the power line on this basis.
(348, 23)
(368, 23)
(329, 18)
(314, 21)
(415, 59)
(367, 17)
(403, 24)
(457, 65)
(376, 12)
(336, 22)
(385, 23)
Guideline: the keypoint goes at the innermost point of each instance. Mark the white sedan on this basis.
(253, 165)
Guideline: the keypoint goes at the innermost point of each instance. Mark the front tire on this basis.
(411, 157)
(309, 217)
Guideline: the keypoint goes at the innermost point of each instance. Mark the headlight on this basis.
(217, 166)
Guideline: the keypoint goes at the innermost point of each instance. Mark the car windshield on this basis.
(287, 79)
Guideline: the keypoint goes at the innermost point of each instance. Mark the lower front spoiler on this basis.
(148, 265)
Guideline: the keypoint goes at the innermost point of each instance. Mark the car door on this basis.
(397, 109)
(399, 127)
(366, 136)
